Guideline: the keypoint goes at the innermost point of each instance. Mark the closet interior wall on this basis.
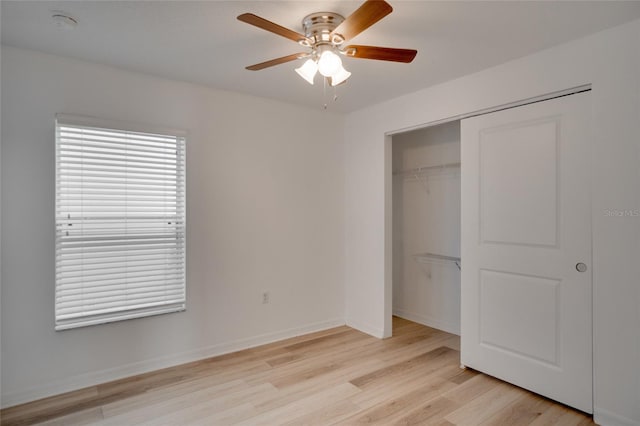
(426, 220)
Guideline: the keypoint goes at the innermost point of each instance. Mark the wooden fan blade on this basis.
(259, 22)
(277, 61)
(365, 16)
(381, 53)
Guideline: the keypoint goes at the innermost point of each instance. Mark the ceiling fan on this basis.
(325, 34)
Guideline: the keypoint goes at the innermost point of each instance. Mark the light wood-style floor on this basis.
(338, 376)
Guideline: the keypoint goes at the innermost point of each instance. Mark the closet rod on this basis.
(424, 169)
(431, 257)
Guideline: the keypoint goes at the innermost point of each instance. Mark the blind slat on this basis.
(71, 188)
(88, 146)
(120, 224)
(108, 257)
(107, 263)
(109, 134)
(121, 278)
(71, 303)
(68, 301)
(106, 271)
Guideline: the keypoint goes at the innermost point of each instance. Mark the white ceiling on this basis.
(202, 42)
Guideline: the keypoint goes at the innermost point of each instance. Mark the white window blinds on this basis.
(120, 223)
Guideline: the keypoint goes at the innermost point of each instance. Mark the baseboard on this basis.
(607, 418)
(94, 378)
(365, 328)
(428, 321)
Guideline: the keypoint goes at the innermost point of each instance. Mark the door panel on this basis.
(509, 157)
(526, 310)
(532, 302)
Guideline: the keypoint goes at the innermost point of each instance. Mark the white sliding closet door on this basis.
(526, 248)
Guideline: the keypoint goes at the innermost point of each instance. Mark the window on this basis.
(120, 223)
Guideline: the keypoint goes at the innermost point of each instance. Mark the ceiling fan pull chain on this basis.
(324, 92)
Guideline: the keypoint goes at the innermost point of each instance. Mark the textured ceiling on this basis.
(203, 43)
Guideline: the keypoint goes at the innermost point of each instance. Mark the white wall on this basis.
(264, 208)
(426, 219)
(610, 61)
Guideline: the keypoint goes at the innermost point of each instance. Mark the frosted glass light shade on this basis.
(329, 63)
(340, 76)
(308, 70)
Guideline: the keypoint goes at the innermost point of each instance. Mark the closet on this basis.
(525, 238)
(426, 226)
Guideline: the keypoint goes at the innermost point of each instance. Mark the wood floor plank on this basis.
(291, 411)
(403, 402)
(312, 387)
(325, 415)
(433, 358)
(485, 406)
(79, 418)
(48, 408)
(312, 366)
(230, 416)
(559, 415)
(472, 388)
(433, 409)
(336, 376)
(392, 350)
(223, 406)
(142, 413)
(462, 376)
(522, 411)
(378, 395)
(161, 395)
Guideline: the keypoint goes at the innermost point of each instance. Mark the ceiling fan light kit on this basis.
(340, 77)
(325, 33)
(308, 70)
(329, 63)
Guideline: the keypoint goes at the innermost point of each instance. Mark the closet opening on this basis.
(426, 226)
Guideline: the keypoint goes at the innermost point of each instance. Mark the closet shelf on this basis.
(423, 170)
(437, 258)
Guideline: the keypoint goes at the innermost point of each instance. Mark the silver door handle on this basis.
(581, 267)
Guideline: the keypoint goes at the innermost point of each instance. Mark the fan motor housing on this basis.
(318, 27)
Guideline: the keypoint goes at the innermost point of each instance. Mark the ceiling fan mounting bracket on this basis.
(318, 27)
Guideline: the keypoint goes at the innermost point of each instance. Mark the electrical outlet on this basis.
(265, 297)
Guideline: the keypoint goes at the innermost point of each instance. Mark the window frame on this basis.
(123, 126)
